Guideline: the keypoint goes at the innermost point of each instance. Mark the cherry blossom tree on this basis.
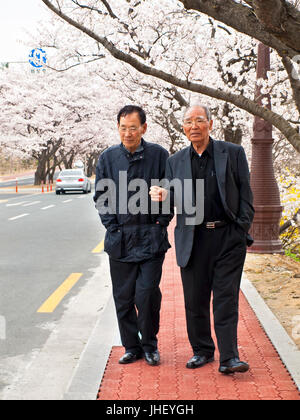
(162, 102)
(53, 118)
(128, 30)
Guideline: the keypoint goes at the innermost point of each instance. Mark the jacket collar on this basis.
(208, 150)
(140, 148)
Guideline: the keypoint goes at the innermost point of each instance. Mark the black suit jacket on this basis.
(233, 181)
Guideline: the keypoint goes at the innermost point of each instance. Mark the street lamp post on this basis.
(268, 209)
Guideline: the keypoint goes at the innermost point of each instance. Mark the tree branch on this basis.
(294, 80)
(75, 65)
(276, 25)
(281, 19)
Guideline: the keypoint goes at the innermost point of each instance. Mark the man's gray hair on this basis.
(196, 105)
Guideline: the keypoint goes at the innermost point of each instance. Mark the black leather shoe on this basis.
(152, 358)
(233, 365)
(198, 361)
(130, 358)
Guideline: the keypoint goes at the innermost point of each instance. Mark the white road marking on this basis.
(18, 217)
(67, 201)
(48, 207)
(31, 204)
(16, 204)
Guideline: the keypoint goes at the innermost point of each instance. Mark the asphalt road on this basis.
(46, 259)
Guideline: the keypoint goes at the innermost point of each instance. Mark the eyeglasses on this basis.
(130, 129)
(198, 121)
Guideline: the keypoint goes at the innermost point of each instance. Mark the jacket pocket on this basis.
(241, 233)
(159, 239)
(113, 243)
(250, 240)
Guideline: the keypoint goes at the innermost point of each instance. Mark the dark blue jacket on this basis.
(131, 237)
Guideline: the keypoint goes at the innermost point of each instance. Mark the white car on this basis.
(72, 180)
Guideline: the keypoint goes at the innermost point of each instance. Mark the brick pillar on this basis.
(268, 209)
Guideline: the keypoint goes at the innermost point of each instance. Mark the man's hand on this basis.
(158, 193)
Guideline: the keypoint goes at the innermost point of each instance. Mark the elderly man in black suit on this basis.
(211, 252)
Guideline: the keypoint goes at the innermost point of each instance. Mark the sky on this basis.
(15, 16)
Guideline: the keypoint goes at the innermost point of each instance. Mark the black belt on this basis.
(216, 224)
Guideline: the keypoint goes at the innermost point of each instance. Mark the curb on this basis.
(85, 382)
(284, 345)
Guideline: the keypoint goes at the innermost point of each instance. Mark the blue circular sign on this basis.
(37, 58)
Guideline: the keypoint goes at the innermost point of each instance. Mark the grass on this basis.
(295, 257)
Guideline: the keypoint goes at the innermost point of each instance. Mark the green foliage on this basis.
(295, 257)
(289, 186)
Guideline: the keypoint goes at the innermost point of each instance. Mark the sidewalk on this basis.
(267, 378)
(4, 178)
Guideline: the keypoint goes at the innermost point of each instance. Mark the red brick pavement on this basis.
(267, 378)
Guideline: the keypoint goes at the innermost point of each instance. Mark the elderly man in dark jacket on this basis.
(136, 239)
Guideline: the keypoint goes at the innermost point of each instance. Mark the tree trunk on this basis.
(40, 173)
(233, 136)
(91, 163)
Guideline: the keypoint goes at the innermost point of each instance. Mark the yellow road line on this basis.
(51, 303)
(99, 248)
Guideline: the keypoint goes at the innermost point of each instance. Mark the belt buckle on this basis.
(210, 225)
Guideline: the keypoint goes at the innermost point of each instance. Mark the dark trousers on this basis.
(215, 267)
(137, 299)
